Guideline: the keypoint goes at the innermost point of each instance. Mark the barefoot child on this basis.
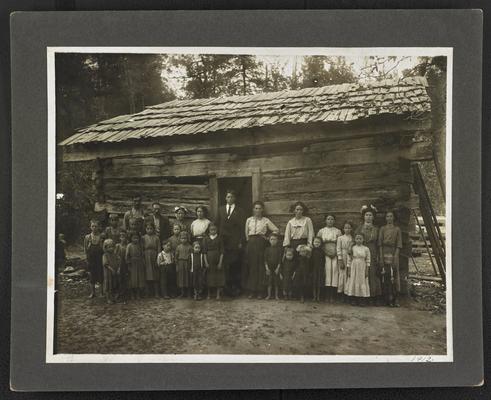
(198, 269)
(287, 270)
(213, 251)
(301, 276)
(318, 268)
(136, 268)
(343, 248)
(390, 243)
(93, 254)
(165, 263)
(182, 257)
(151, 248)
(358, 270)
(110, 262)
(120, 251)
(272, 264)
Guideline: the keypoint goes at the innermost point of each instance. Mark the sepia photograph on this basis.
(249, 204)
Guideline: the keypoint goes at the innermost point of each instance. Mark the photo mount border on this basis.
(52, 357)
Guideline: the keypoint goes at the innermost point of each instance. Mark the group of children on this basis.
(131, 265)
(298, 272)
(336, 265)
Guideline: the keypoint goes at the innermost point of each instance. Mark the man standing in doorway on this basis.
(230, 221)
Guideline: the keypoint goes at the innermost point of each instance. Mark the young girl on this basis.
(318, 268)
(183, 252)
(110, 262)
(197, 269)
(343, 248)
(329, 235)
(151, 248)
(390, 243)
(120, 251)
(213, 251)
(165, 262)
(172, 275)
(93, 254)
(358, 270)
(272, 265)
(286, 273)
(134, 261)
(112, 231)
(302, 274)
(174, 239)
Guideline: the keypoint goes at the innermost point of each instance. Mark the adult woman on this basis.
(299, 230)
(199, 227)
(180, 213)
(370, 234)
(256, 228)
(390, 243)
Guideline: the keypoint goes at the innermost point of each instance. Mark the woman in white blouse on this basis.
(256, 229)
(199, 227)
(299, 230)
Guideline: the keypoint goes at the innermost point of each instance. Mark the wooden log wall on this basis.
(336, 176)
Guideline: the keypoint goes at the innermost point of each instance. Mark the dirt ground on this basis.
(243, 326)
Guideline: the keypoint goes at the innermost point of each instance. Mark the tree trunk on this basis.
(244, 79)
(131, 94)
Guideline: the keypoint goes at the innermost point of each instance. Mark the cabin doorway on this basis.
(242, 187)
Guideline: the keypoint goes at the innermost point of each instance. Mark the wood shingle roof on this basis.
(335, 103)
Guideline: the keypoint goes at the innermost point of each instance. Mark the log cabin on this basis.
(334, 147)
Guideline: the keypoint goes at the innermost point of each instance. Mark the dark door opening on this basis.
(242, 187)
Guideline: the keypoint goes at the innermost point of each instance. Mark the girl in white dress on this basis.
(358, 270)
(329, 236)
(343, 249)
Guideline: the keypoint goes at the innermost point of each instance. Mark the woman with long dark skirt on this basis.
(256, 229)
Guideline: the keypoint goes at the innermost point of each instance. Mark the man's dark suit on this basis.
(231, 228)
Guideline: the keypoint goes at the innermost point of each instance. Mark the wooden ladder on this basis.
(435, 236)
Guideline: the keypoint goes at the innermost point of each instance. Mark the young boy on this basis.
(165, 262)
(272, 264)
(286, 273)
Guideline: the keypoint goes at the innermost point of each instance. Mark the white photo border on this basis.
(51, 357)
